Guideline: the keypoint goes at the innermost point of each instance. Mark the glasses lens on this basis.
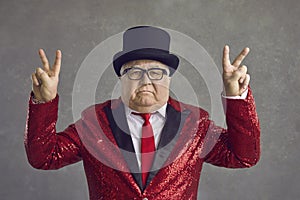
(135, 74)
(155, 74)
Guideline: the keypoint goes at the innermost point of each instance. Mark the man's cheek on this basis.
(132, 93)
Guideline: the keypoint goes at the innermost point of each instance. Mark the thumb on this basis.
(36, 87)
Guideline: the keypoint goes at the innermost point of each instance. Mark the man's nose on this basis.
(145, 79)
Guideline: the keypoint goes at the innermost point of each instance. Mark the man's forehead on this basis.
(145, 63)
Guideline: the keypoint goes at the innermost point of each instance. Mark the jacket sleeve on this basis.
(45, 148)
(239, 145)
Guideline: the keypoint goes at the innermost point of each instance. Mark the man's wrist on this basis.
(35, 100)
(242, 96)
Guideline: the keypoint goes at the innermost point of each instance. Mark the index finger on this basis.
(226, 59)
(239, 59)
(44, 59)
(57, 63)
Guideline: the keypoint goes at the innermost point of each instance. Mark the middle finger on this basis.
(239, 59)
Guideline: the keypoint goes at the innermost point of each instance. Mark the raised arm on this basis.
(239, 145)
(46, 148)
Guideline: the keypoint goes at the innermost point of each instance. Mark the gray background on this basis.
(270, 28)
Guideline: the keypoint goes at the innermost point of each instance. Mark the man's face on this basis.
(144, 95)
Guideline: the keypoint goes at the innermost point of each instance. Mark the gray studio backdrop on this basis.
(270, 28)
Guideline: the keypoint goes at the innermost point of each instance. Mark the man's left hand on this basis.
(235, 77)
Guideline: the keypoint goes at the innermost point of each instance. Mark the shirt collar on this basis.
(161, 111)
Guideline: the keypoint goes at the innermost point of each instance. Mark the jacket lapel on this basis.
(120, 130)
(119, 126)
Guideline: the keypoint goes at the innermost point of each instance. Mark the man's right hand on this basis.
(45, 81)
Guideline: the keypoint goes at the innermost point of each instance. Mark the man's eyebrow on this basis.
(133, 63)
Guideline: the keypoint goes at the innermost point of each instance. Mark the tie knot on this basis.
(145, 116)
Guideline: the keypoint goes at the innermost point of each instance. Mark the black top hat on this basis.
(145, 42)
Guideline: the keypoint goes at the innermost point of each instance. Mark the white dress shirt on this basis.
(135, 123)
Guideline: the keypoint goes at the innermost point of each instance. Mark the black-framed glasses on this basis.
(136, 73)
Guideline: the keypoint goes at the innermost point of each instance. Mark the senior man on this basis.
(144, 145)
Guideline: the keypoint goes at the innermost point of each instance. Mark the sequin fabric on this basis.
(91, 140)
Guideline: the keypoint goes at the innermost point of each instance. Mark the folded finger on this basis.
(242, 79)
(246, 82)
(34, 80)
(41, 75)
(240, 73)
(242, 70)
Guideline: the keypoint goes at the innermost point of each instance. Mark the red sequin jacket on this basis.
(189, 138)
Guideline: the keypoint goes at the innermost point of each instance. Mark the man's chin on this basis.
(145, 104)
(145, 101)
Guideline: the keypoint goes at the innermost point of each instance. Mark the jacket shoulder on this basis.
(183, 107)
(99, 108)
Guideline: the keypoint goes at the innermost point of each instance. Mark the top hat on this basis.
(145, 42)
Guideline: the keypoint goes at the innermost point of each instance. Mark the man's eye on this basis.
(155, 73)
(135, 73)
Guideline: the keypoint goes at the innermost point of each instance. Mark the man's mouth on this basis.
(145, 91)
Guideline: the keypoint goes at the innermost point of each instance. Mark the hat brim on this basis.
(162, 56)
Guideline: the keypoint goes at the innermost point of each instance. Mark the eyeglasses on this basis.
(136, 73)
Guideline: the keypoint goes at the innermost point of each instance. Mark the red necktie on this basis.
(147, 146)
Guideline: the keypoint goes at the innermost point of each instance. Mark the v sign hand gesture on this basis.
(235, 77)
(45, 81)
